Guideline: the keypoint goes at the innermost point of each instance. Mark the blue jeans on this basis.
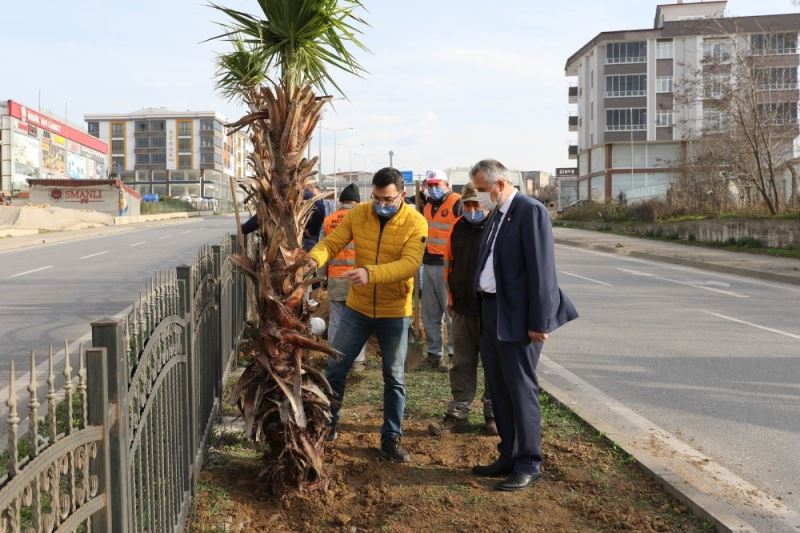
(392, 333)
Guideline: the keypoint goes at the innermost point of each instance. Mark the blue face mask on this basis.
(384, 211)
(436, 193)
(476, 217)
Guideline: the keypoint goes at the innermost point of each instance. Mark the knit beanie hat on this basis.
(350, 194)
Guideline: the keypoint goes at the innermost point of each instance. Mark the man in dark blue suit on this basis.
(521, 304)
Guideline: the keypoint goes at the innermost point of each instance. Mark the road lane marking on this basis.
(757, 326)
(636, 272)
(30, 271)
(164, 237)
(137, 244)
(185, 232)
(740, 278)
(585, 278)
(695, 285)
(104, 252)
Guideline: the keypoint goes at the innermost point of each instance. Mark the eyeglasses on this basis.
(385, 200)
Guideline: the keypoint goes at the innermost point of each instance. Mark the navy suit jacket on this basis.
(528, 296)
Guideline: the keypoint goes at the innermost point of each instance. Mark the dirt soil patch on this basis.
(587, 484)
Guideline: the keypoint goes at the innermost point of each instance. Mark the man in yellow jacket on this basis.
(389, 237)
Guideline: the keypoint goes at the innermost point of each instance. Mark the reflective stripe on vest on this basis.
(346, 259)
(440, 224)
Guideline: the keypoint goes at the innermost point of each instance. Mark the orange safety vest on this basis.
(346, 259)
(441, 224)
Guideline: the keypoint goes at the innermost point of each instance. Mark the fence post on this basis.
(186, 291)
(221, 339)
(98, 415)
(108, 334)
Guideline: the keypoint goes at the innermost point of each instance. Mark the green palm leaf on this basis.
(295, 42)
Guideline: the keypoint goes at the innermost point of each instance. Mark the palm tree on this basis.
(278, 58)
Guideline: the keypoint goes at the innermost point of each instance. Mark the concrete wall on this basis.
(771, 233)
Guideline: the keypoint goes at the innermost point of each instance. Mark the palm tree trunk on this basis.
(284, 401)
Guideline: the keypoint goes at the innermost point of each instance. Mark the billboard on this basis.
(76, 166)
(54, 157)
(25, 157)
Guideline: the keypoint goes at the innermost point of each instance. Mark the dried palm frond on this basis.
(284, 401)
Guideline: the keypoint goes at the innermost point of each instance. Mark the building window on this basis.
(141, 125)
(664, 84)
(142, 159)
(158, 125)
(117, 130)
(663, 119)
(185, 144)
(117, 146)
(716, 85)
(207, 124)
(774, 43)
(777, 78)
(628, 85)
(158, 159)
(117, 164)
(626, 52)
(93, 128)
(717, 51)
(206, 141)
(158, 142)
(715, 120)
(206, 157)
(142, 142)
(184, 162)
(184, 128)
(778, 114)
(664, 50)
(626, 119)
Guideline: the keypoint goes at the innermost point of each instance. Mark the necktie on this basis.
(496, 217)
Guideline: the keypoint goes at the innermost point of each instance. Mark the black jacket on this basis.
(465, 244)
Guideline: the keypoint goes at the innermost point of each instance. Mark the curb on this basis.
(726, 269)
(710, 490)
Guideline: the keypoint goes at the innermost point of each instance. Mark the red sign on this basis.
(55, 194)
(21, 112)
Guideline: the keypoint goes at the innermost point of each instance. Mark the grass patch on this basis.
(166, 205)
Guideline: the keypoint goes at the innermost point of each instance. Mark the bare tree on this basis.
(744, 139)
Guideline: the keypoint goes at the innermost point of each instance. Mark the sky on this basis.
(449, 82)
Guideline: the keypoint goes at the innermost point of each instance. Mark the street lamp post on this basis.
(335, 131)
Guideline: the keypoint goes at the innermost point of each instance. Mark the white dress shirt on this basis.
(486, 282)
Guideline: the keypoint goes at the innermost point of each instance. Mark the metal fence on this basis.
(120, 446)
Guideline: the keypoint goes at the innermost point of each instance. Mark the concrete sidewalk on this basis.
(766, 267)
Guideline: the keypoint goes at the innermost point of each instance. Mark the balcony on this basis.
(573, 151)
(573, 123)
(573, 95)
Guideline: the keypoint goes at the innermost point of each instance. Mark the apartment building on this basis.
(173, 153)
(631, 125)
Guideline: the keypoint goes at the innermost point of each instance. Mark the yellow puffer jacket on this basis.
(391, 256)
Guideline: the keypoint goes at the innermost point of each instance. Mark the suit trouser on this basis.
(335, 310)
(511, 378)
(464, 372)
(434, 310)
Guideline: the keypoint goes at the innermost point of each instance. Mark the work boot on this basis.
(332, 435)
(450, 424)
(432, 362)
(392, 449)
(489, 427)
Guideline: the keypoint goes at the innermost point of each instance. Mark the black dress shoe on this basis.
(517, 481)
(497, 468)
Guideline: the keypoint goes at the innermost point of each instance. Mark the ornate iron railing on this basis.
(121, 445)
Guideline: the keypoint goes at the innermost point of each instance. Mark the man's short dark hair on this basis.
(388, 176)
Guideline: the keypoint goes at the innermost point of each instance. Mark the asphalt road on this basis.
(54, 291)
(712, 358)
